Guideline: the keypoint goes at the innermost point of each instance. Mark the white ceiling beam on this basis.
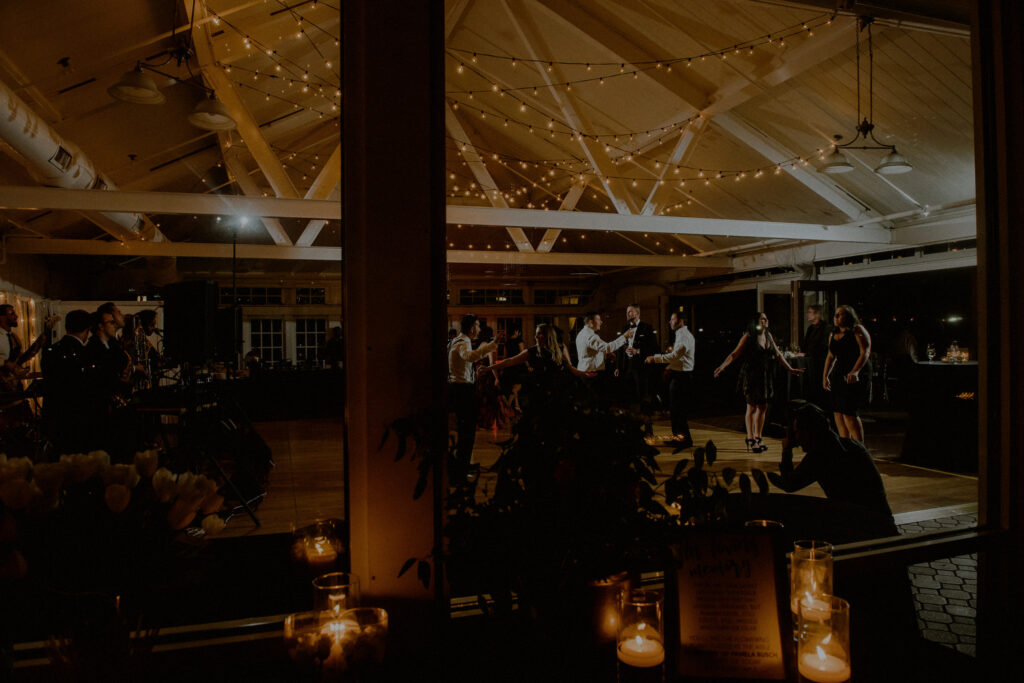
(22, 198)
(33, 245)
(326, 186)
(948, 226)
(685, 146)
(572, 197)
(584, 259)
(599, 162)
(248, 186)
(248, 129)
(581, 220)
(603, 27)
(776, 153)
(313, 228)
(482, 175)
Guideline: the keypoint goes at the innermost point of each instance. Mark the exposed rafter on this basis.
(584, 259)
(572, 197)
(326, 186)
(33, 245)
(248, 186)
(37, 198)
(660, 194)
(482, 175)
(249, 130)
(599, 162)
(580, 220)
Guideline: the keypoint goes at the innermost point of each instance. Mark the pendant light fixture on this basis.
(211, 114)
(836, 161)
(136, 87)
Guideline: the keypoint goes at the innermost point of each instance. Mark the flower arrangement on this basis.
(44, 505)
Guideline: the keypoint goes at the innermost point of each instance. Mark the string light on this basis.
(805, 27)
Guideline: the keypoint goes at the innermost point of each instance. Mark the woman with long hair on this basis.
(759, 351)
(547, 354)
(848, 372)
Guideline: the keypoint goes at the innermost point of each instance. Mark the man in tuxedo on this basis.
(66, 395)
(632, 359)
(816, 347)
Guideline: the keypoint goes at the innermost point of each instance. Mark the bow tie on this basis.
(632, 324)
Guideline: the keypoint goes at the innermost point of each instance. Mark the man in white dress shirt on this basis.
(592, 350)
(680, 365)
(462, 387)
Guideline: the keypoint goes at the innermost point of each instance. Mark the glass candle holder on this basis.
(358, 644)
(604, 601)
(810, 575)
(334, 593)
(318, 545)
(763, 524)
(823, 643)
(641, 641)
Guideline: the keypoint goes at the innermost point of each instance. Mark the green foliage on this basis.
(576, 495)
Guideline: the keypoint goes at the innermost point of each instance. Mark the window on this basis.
(310, 337)
(311, 295)
(561, 297)
(491, 296)
(248, 296)
(267, 338)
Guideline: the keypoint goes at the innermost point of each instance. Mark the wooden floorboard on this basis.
(307, 482)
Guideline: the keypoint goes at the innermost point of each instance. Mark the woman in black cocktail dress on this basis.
(759, 352)
(848, 372)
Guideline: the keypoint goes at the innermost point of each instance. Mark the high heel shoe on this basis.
(759, 447)
(751, 444)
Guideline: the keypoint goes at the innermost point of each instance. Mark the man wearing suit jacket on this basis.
(66, 393)
(631, 360)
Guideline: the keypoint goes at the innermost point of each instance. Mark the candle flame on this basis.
(827, 639)
(334, 629)
(639, 641)
(641, 627)
(821, 653)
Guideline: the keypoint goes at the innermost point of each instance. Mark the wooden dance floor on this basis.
(308, 481)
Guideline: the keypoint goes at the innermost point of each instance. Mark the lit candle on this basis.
(320, 552)
(641, 652)
(820, 667)
(813, 609)
(335, 629)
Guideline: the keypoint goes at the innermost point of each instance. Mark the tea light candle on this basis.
(320, 552)
(641, 652)
(814, 609)
(820, 667)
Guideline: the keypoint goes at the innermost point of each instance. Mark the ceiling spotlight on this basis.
(136, 87)
(210, 114)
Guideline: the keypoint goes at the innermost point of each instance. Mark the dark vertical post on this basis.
(394, 270)
(998, 63)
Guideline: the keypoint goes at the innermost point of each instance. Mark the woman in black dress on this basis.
(758, 350)
(848, 372)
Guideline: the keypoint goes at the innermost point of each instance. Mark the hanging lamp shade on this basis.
(894, 163)
(136, 87)
(836, 162)
(210, 114)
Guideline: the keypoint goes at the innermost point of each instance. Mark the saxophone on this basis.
(141, 355)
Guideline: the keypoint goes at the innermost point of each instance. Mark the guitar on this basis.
(12, 372)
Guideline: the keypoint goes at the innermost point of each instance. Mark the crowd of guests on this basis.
(838, 367)
(90, 375)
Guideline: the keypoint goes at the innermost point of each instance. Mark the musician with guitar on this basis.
(12, 356)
